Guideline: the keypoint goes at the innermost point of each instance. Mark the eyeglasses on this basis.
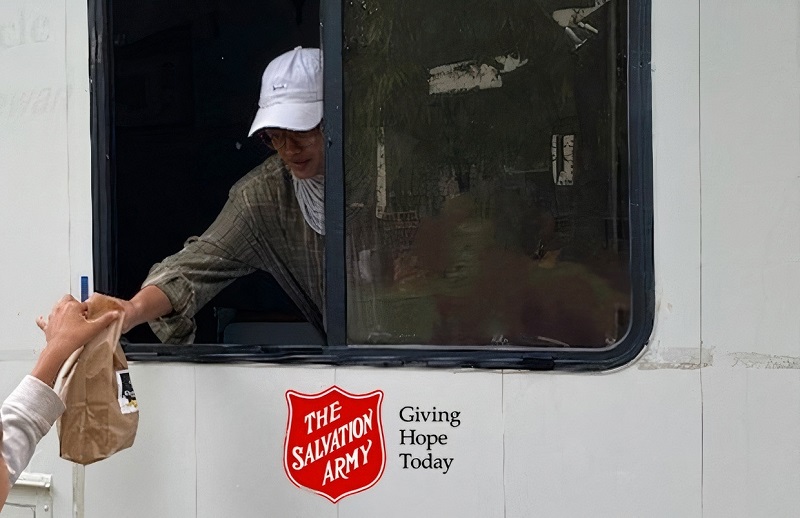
(276, 138)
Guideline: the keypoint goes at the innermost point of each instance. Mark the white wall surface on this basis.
(676, 183)
(750, 113)
(158, 476)
(622, 444)
(245, 406)
(34, 201)
(750, 119)
(529, 444)
(44, 193)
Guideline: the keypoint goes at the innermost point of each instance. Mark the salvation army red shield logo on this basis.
(334, 442)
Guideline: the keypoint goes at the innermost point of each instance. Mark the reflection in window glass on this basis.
(485, 172)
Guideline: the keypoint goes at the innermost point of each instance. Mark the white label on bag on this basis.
(125, 394)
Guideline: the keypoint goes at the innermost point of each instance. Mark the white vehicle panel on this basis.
(705, 423)
(158, 475)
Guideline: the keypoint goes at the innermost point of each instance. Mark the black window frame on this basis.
(337, 351)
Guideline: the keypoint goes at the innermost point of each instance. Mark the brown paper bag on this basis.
(102, 414)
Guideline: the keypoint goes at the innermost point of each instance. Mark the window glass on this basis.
(485, 168)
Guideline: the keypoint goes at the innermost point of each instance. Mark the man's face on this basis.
(302, 151)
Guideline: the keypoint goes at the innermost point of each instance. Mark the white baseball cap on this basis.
(291, 92)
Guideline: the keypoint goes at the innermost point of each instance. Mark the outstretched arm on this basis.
(149, 304)
(30, 411)
(180, 285)
(66, 330)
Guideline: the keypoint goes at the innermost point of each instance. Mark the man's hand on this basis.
(149, 304)
(66, 330)
(130, 315)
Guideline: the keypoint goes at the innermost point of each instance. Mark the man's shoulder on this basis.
(263, 178)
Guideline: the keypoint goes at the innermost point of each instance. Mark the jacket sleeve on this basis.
(204, 266)
(27, 415)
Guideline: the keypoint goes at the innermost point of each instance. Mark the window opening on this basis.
(492, 204)
(185, 86)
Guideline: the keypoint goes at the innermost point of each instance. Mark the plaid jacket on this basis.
(259, 228)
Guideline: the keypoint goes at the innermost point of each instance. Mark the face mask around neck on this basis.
(310, 194)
